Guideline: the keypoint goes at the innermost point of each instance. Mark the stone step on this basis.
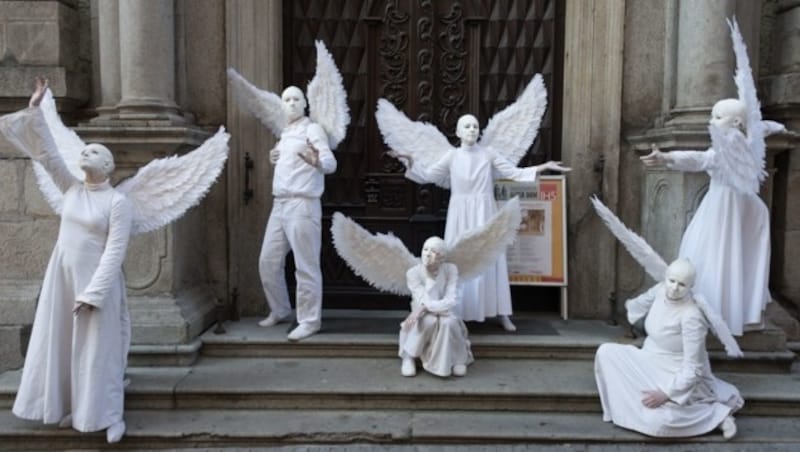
(373, 334)
(521, 385)
(392, 431)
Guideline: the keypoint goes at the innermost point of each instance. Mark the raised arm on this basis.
(638, 307)
(438, 173)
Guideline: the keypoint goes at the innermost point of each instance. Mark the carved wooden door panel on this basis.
(435, 60)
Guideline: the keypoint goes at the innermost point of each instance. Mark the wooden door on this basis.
(435, 60)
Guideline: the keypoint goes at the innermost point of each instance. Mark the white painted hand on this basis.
(310, 154)
(554, 166)
(654, 158)
(38, 93)
(274, 154)
(405, 159)
(654, 398)
(80, 306)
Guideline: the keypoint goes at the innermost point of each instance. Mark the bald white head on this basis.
(294, 103)
(433, 253)
(728, 113)
(468, 129)
(680, 279)
(97, 162)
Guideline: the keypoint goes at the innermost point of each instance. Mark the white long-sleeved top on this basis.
(436, 294)
(293, 176)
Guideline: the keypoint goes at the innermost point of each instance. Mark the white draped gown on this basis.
(470, 172)
(75, 364)
(673, 359)
(728, 243)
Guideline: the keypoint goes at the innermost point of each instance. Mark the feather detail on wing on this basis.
(734, 164)
(327, 98)
(480, 247)
(746, 88)
(264, 105)
(166, 188)
(382, 260)
(422, 141)
(719, 327)
(639, 249)
(69, 145)
(512, 130)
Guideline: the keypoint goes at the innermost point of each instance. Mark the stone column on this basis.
(108, 50)
(147, 60)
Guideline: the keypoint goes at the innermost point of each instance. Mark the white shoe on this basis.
(506, 323)
(408, 368)
(728, 427)
(301, 332)
(115, 432)
(273, 320)
(65, 422)
(459, 370)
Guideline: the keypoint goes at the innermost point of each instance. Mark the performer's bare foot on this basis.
(408, 368)
(115, 432)
(273, 320)
(728, 427)
(459, 370)
(65, 422)
(506, 323)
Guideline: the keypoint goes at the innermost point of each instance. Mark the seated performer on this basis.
(78, 350)
(433, 332)
(666, 388)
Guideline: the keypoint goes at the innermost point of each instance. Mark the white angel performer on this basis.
(302, 158)
(433, 332)
(469, 172)
(728, 237)
(77, 354)
(666, 388)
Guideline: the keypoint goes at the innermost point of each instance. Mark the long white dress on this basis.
(673, 359)
(439, 337)
(470, 172)
(75, 363)
(728, 243)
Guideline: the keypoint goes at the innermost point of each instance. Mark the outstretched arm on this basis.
(27, 131)
(679, 160)
(506, 170)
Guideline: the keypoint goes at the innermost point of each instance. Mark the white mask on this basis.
(96, 158)
(728, 113)
(433, 252)
(468, 129)
(294, 103)
(680, 279)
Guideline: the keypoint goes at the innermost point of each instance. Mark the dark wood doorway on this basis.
(435, 60)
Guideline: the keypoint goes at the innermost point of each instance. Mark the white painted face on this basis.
(433, 252)
(468, 129)
(680, 279)
(294, 103)
(728, 113)
(96, 158)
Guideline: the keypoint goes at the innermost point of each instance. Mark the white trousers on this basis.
(440, 341)
(294, 224)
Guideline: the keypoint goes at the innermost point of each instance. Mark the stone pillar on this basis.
(147, 60)
(108, 53)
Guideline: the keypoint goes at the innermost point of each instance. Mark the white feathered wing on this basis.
(422, 141)
(655, 266)
(327, 98)
(481, 247)
(69, 145)
(382, 260)
(512, 130)
(166, 188)
(264, 105)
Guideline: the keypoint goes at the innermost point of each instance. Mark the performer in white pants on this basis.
(302, 158)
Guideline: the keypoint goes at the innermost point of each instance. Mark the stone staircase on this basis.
(342, 389)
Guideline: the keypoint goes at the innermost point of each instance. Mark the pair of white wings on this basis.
(655, 266)
(161, 191)
(740, 158)
(510, 132)
(383, 259)
(327, 99)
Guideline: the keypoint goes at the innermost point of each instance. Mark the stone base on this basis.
(170, 321)
(17, 310)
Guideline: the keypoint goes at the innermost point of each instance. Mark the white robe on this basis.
(728, 243)
(439, 337)
(470, 172)
(75, 364)
(673, 359)
(295, 224)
